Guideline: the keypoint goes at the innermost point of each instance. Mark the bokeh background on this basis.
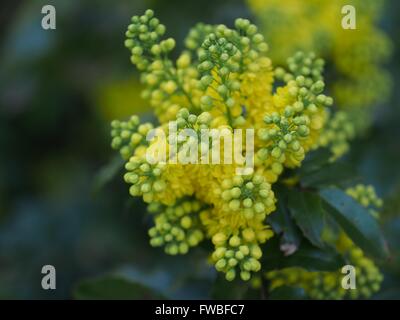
(63, 201)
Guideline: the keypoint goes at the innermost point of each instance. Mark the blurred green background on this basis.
(63, 201)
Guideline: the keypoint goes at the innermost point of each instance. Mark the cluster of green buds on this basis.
(326, 285)
(168, 86)
(177, 227)
(128, 135)
(222, 58)
(235, 254)
(145, 178)
(289, 133)
(197, 34)
(195, 139)
(223, 55)
(197, 123)
(187, 120)
(317, 285)
(143, 39)
(251, 196)
(245, 37)
(368, 276)
(305, 81)
(367, 197)
(337, 134)
(286, 277)
(219, 59)
(252, 42)
(282, 137)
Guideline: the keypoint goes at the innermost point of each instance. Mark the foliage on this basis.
(113, 287)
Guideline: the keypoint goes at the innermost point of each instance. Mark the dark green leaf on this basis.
(315, 160)
(355, 220)
(287, 293)
(390, 288)
(391, 230)
(107, 173)
(306, 209)
(281, 221)
(113, 287)
(388, 294)
(307, 257)
(332, 174)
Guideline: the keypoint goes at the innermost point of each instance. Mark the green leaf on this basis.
(306, 209)
(287, 293)
(281, 221)
(107, 173)
(355, 220)
(113, 287)
(332, 174)
(390, 288)
(307, 256)
(315, 160)
(392, 293)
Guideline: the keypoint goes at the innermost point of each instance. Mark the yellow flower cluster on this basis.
(177, 227)
(356, 56)
(339, 131)
(224, 80)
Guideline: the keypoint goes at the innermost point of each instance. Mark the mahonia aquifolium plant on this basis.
(357, 79)
(223, 80)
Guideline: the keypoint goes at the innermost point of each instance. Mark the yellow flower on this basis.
(224, 82)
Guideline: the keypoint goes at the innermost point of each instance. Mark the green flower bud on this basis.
(230, 103)
(205, 66)
(206, 101)
(222, 90)
(206, 80)
(239, 255)
(276, 152)
(229, 253)
(234, 205)
(230, 275)
(235, 192)
(247, 203)
(245, 275)
(192, 119)
(232, 262)
(219, 239)
(186, 222)
(220, 265)
(234, 241)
